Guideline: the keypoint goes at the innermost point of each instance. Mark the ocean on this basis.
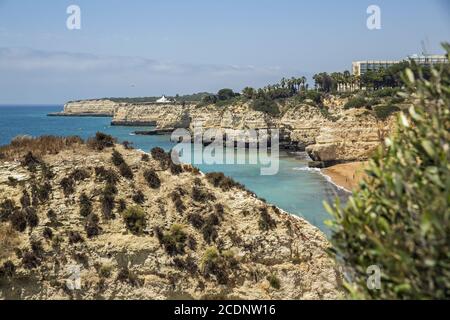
(295, 188)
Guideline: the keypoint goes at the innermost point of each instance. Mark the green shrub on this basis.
(25, 200)
(31, 217)
(211, 255)
(101, 141)
(47, 172)
(7, 270)
(145, 157)
(385, 111)
(385, 92)
(105, 270)
(213, 264)
(107, 199)
(30, 260)
(68, 186)
(399, 219)
(106, 175)
(80, 174)
(91, 226)
(174, 241)
(219, 180)
(178, 202)
(200, 195)
(51, 215)
(196, 220)
(152, 179)
(274, 281)
(138, 197)
(117, 158)
(126, 171)
(266, 222)
(36, 247)
(127, 145)
(41, 192)
(314, 96)
(47, 233)
(209, 229)
(356, 102)
(161, 156)
(75, 237)
(12, 182)
(125, 275)
(219, 209)
(31, 162)
(187, 264)
(175, 169)
(225, 94)
(192, 243)
(18, 220)
(7, 208)
(397, 100)
(228, 102)
(85, 205)
(135, 221)
(122, 205)
(265, 105)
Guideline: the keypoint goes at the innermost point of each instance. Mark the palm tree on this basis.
(304, 83)
(347, 78)
(318, 80)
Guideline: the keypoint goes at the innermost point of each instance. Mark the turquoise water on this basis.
(295, 188)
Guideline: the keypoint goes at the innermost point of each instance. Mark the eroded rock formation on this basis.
(84, 224)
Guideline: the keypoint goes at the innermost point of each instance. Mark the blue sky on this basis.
(145, 48)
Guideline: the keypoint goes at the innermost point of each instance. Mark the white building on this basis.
(163, 99)
(361, 67)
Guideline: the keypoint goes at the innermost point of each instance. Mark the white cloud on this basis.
(35, 76)
(23, 59)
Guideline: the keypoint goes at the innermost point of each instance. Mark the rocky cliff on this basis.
(83, 221)
(330, 133)
(90, 107)
(164, 116)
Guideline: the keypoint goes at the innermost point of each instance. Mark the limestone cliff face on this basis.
(328, 134)
(353, 137)
(164, 116)
(197, 241)
(100, 107)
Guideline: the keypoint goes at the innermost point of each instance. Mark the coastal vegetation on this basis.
(179, 98)
(374, 91)
(398, 220)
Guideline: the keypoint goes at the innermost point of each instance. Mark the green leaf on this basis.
(429, 148)
(410, 75)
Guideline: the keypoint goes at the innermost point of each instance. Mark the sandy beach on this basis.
(347, 175)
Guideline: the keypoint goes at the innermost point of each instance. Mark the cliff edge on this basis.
(96, 220)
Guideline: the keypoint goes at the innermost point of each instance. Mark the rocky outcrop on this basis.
(195, 241)
(353, 137)
(100, 108)
(330, 134)
(164, 116)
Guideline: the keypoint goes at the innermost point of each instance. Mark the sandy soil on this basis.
(347, 175)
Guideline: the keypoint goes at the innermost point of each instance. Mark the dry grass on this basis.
(9, 240)
(39, 146)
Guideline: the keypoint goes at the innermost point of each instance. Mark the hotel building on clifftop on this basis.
(361, 67)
